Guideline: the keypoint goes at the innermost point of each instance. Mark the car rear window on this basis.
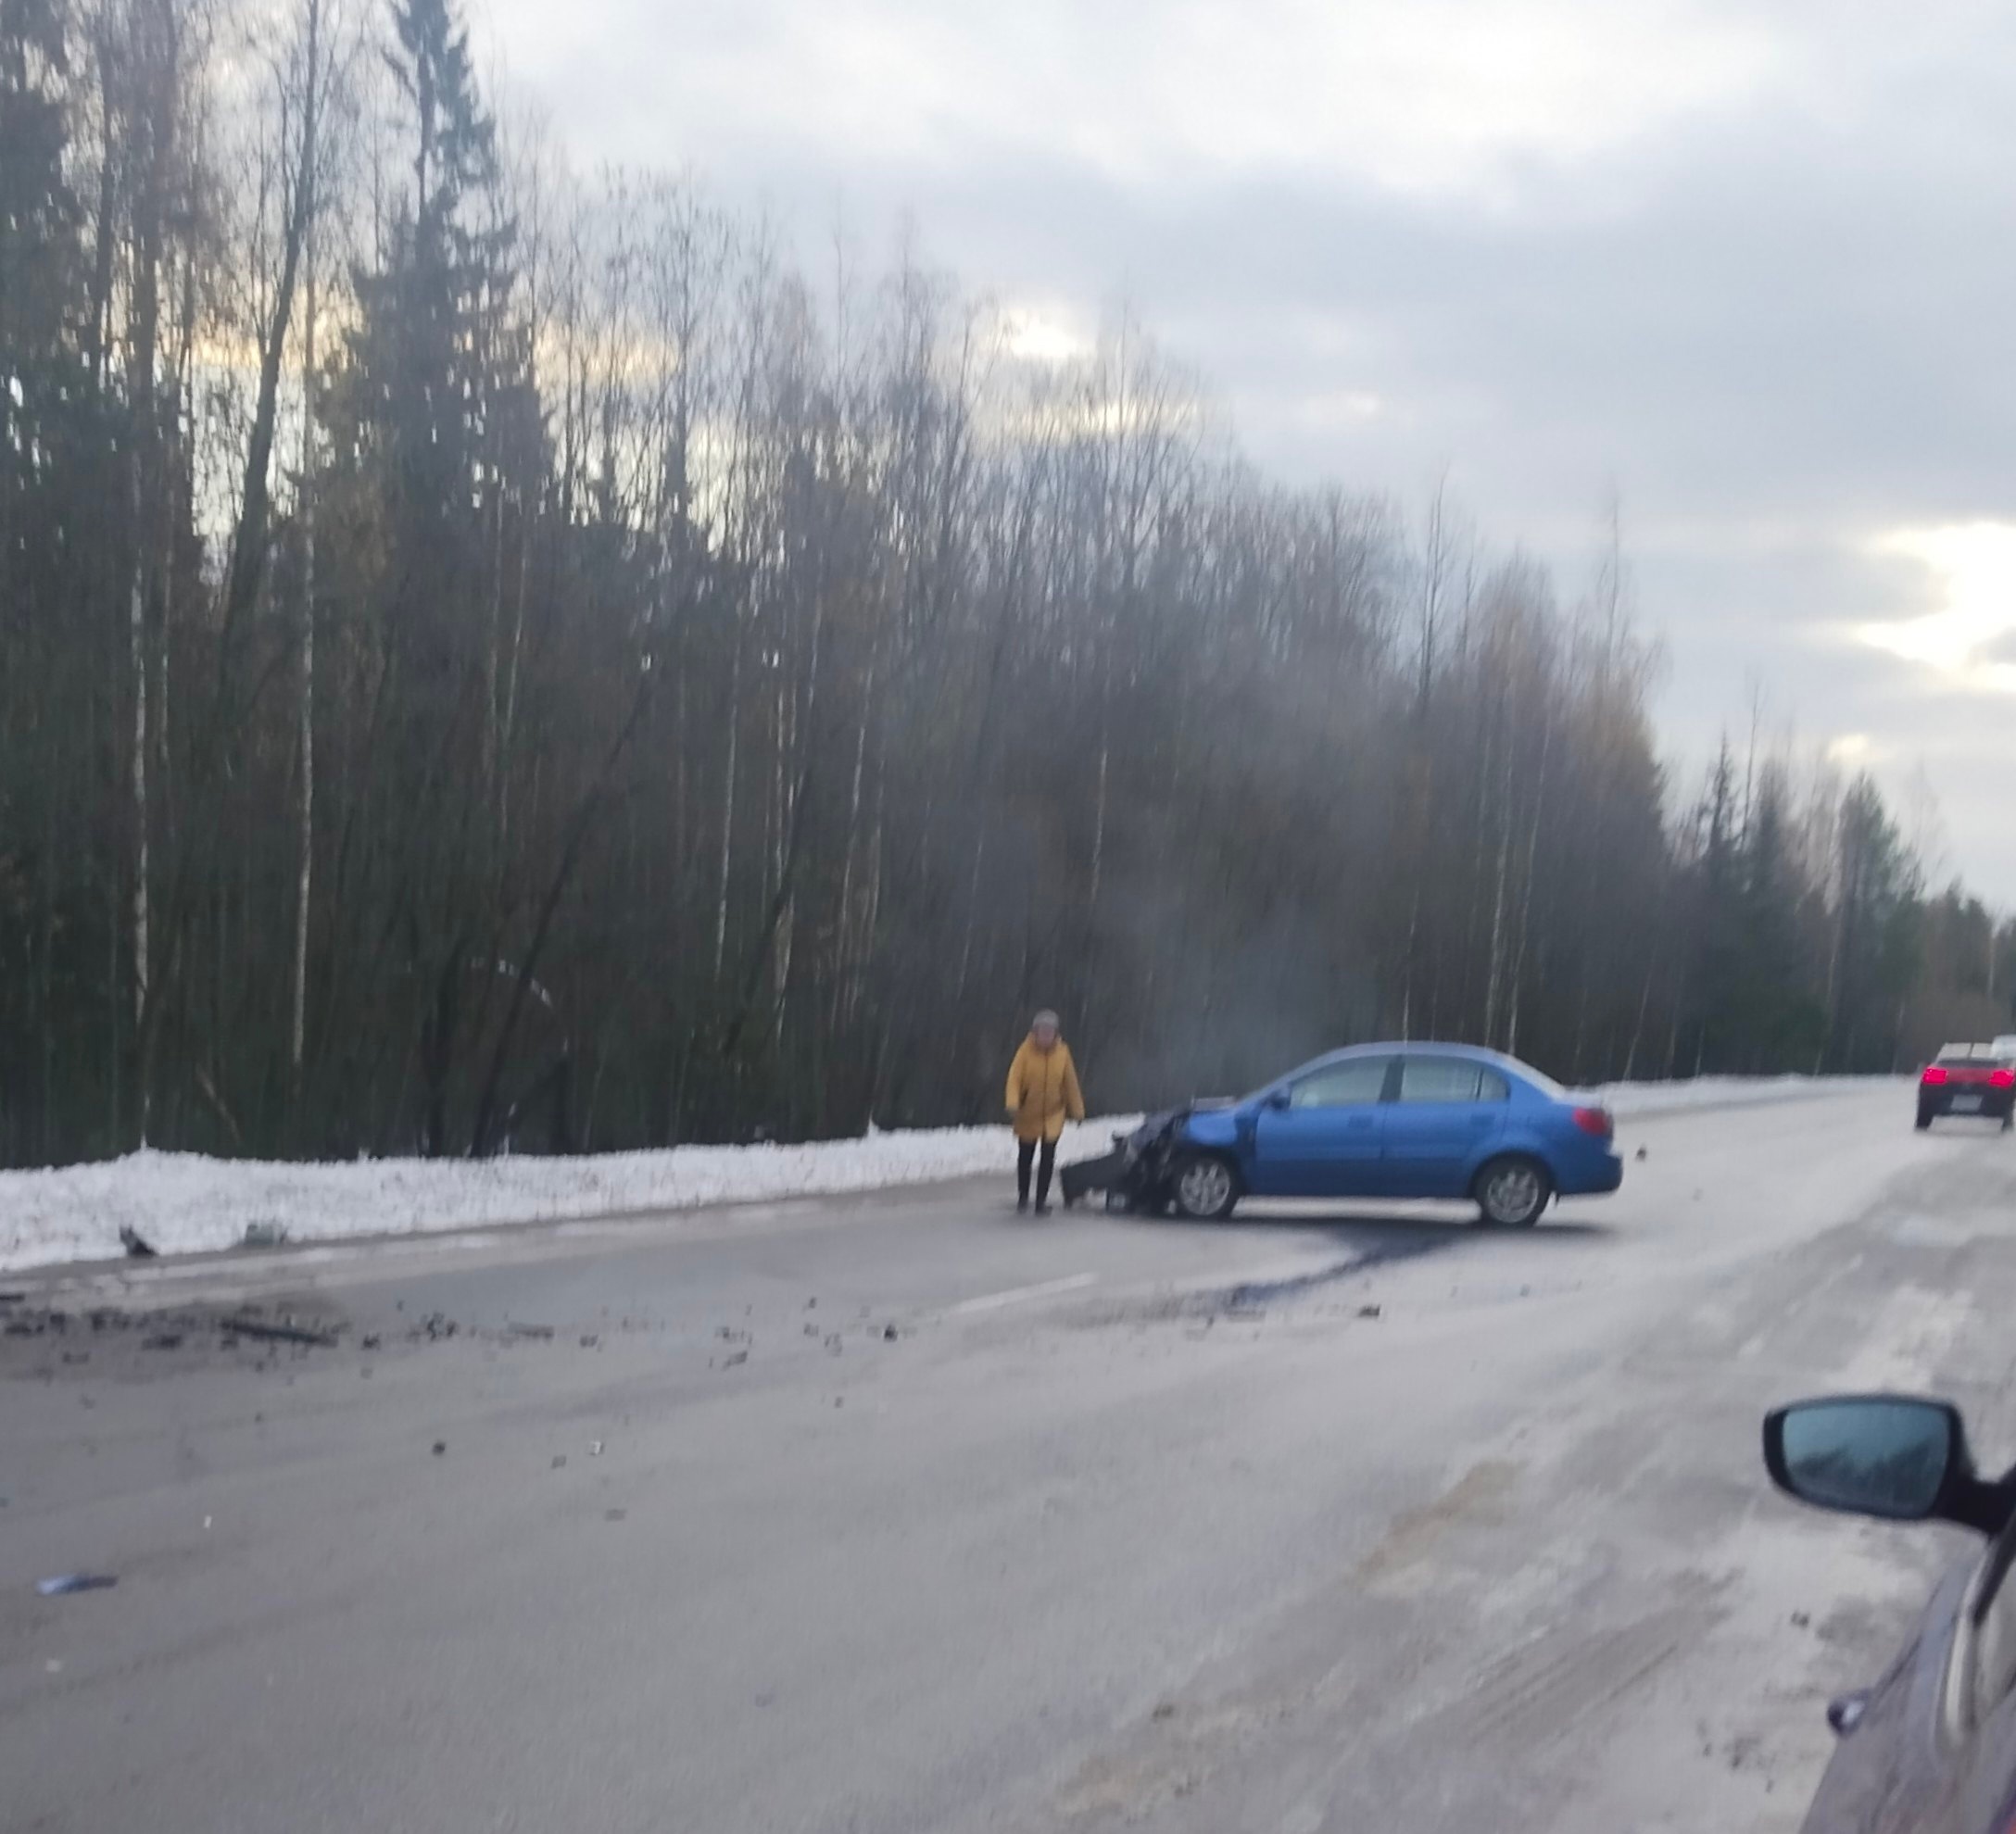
(1449, 1079)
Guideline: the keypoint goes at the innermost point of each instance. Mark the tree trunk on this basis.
(728, 805)
(304, 843)
(248, 552)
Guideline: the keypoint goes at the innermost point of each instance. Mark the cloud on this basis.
(1734, 262)
(1049, 333)
(1970, 639)
(1427, 97)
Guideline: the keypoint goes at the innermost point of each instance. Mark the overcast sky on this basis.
(1753, 268)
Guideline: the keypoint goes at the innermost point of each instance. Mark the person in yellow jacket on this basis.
(1042, 1094)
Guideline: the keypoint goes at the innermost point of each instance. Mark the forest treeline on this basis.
(493, 659)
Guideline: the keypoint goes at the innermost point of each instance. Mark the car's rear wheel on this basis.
(1206, 1189)
(1924, 1119)
(1512, 1192)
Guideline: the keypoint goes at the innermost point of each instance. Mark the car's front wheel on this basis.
(1512, 1192)
(1206, 1189)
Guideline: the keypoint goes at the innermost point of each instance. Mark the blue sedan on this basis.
(1399, 1121)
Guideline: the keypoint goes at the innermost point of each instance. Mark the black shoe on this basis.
(1043, 1209)
(1022, 1206)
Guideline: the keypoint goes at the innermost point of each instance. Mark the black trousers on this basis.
(1025, 1156)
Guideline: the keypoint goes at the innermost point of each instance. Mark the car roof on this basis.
(1428, 1048)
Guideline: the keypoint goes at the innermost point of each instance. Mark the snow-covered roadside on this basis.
(183, 1203)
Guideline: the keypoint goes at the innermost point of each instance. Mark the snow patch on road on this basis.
(185, 1204)
(1628, 1099)
(1908, 1342)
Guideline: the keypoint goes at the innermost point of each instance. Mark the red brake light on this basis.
(2002, 1079)
(1936, 1075)
(1596, 1121)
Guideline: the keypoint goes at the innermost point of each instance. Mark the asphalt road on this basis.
(912, 1515)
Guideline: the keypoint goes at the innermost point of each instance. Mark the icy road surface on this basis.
(904, 1513)
(185, 1202)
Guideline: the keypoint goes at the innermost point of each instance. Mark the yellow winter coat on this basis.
(1043, 1089)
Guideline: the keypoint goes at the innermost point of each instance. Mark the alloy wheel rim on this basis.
(1205, 1184)
(1512, 1193)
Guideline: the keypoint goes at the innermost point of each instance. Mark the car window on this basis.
(1449, 1079)
(1342, 1084)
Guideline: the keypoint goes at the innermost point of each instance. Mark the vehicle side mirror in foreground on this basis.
(1277, 1099)
(1891, 1456)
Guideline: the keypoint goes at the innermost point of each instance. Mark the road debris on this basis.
(730, 1361)
(594, 1449)
(440, 1448)
(888, 1333)
(539, 1331)
(64, 1584)
(590, 1341)
(285, 1333)
(1371, 1312)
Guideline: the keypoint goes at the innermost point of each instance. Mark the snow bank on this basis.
(183, 1203)
(1628, 1099)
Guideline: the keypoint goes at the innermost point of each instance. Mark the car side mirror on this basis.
(1278, 1100)
(1895, 1457)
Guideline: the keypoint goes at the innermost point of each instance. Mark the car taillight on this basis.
(1596, 1121)
(1934, 1076)
(2002, 1079)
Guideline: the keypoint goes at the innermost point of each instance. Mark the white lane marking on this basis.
(1016, 1295)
